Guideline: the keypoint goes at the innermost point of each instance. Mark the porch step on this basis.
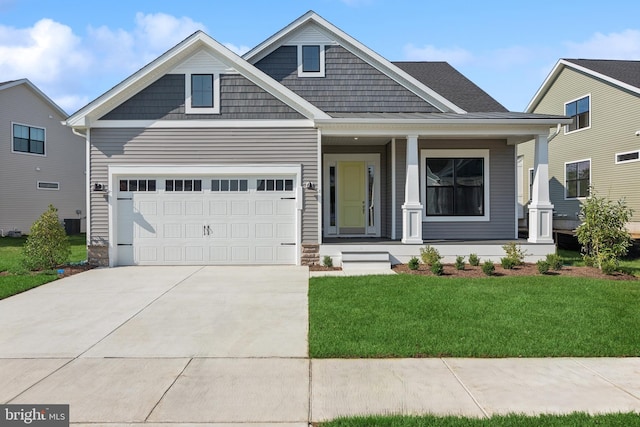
(365, 260)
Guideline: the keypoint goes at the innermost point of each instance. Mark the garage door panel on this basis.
(264, 231)
(218, 207)
(265, 254)
(194, 231)
(218, 255)
(240, 254)
(285, 231)
(264, 207)
(172, 231)
(194, 254)
(240, 230)
(172, 208)
(147, 254)
(172, 253)
(239, 207)
(193, 208)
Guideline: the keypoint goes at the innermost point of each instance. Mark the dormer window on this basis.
(202, 93)
(311, 60)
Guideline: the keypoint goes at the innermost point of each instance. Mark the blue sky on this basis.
(76, 50)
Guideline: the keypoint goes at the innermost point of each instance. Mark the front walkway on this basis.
(228, 345)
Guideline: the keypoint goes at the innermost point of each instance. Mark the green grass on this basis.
(574, 258)
(570, 420)
(18, 278)
(423, 316)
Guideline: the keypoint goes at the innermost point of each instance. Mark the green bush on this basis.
(609, 266)
(430, 255)
(327, 261)
(413, 263)
(488, 268)
(474, 260)
(543, 266)
(459, 264)
(437, 268)
(515, 253)
(554, 261)
(507, 263)
(47, 245)
(602, 233)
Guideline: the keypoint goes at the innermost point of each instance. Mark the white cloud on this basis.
(71, 69)
(239, 50)
(46, 52)
(454, 56)
(623, 45)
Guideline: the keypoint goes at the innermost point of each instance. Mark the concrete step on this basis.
(365, 261)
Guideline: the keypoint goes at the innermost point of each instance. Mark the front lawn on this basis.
(627, 265)
(14, 278)
(570, 420)
(422, 316)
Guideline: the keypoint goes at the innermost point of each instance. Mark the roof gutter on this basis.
(550, 137)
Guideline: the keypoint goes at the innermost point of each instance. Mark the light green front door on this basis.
(351, 197)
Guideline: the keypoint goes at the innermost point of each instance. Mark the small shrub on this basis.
(554, 261)
(437, 268)
(327, 261)
(609, 266)
(602, 233)
(543, 266)
(430, 255)
(488, 268)
(589, 261)
(507, 263)
(474, 260)
(413, 263)
(47, 245)
(459, 263)
(515, 253)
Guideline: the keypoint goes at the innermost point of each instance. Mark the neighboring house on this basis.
(41, 161)
(601, 145)
(311, 144)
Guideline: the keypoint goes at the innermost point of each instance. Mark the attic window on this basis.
(580, 111)
(311, 60)
(202, 93)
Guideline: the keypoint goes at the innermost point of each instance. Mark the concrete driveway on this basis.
(162, 344)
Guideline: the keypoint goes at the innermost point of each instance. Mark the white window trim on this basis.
(617, 162)
(188, 109)
(48, 182)
(588, 95)
(26, 153)
(463, 154)
(312, 73)
(564, 182)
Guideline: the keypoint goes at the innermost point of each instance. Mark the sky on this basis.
(74, 51)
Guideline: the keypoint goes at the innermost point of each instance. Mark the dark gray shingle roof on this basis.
(450, 83)
(625, 71)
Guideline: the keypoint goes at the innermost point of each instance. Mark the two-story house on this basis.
(41, 161)
(600, 148)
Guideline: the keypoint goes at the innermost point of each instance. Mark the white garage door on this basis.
(206, 220)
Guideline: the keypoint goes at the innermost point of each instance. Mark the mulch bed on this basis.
(523, 270)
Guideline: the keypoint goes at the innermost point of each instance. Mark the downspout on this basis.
(550, 137)
(87, 181)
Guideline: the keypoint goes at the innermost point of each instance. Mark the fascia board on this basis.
(560, 65)
(38, 93)
(360, 50)
(461, 121)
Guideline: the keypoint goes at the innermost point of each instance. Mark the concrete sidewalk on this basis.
(228, 346)
(290, 391)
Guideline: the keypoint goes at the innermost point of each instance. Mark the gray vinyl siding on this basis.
(201, 147)
(385, 193)
(502, 223)
(350, 84)
(614, 121)
(21, 202)
(239, 99)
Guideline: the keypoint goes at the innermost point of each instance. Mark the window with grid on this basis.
(455, 186)
(578, 110)
(28, 139)
(183, 185)
(577, 179)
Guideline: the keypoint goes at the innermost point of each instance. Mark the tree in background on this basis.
(603, 234)
(47, 245)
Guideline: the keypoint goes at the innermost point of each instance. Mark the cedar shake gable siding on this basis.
(350, 84)
(239, 99)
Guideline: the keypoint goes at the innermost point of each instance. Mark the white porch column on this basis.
(412, 209)
(540, 208)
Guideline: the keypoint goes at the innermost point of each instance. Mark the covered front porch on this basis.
(449, 183)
